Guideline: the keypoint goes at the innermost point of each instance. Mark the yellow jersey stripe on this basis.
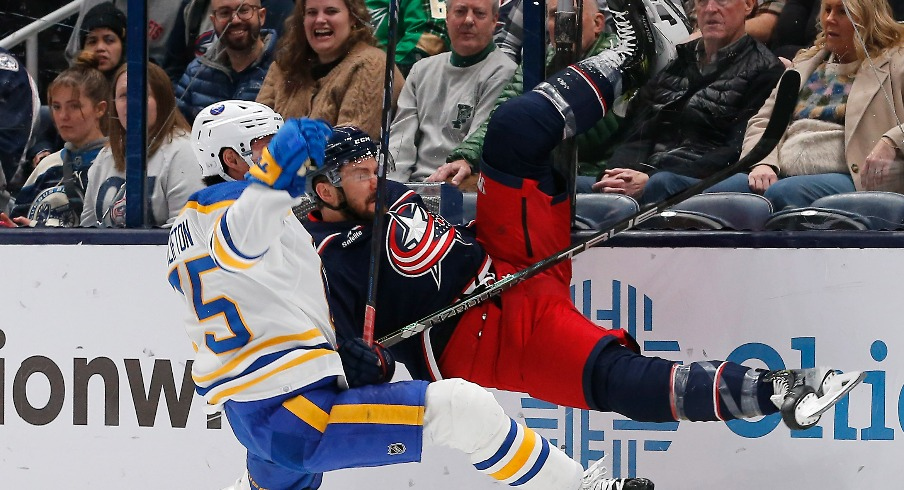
(377, 414)
(311, 355)
(235, 361)
(224, 256)
(207, 208)
(308, 412)
(520, 458)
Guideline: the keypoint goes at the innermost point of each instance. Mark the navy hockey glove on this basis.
(296, 149)
(366, 364)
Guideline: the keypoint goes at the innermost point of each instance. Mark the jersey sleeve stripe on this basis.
(255, 352)
(232, 391)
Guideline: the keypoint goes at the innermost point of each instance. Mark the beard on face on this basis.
(364, 214)
(243, 43)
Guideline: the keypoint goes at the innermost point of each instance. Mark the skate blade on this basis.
(841, 384)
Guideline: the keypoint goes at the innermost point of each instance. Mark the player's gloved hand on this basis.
(296, 149)
(366, 364)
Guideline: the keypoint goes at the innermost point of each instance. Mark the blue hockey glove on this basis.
(296, 149)
(366, 364)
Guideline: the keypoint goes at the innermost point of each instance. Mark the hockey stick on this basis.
(370, 310)
(785, 101)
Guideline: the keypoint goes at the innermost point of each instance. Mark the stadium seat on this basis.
(714, 211)
(864, 210)
(598, 211)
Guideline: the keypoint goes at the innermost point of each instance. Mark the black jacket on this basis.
(692, 123)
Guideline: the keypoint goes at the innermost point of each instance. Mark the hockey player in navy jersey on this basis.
(531, 338)
(266, 344)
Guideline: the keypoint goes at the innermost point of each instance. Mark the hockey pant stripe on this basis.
(319, 419)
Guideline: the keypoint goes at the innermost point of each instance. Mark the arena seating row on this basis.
(867, 210)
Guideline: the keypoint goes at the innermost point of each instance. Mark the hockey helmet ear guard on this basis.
(231, 124)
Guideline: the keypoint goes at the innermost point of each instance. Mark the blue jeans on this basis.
(801, 190)
(665, 184)
(788, 192)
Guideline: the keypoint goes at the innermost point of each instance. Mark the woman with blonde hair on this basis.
(846, 131)
(327, 66)
(172, 170)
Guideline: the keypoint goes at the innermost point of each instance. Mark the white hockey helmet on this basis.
(230, 124)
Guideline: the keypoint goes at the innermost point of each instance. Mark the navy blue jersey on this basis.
(427, 263)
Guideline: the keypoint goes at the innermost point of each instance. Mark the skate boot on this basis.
(802, 395)
(595, 479)
(636, 44)
(243, 483)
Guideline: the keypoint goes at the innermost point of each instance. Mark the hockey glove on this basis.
(366, 364)
(296, 149)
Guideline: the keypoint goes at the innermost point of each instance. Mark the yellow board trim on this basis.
(520, 457)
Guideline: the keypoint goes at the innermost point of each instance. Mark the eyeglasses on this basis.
(245, 12)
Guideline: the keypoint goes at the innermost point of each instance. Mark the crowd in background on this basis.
(455, 62)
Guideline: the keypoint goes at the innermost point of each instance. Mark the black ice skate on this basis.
(636, 43)
(595, 479)
(803, 395)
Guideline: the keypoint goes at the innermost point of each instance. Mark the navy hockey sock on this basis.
(584, 92)
(657, 390)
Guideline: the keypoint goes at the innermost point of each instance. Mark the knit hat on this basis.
(104, 15)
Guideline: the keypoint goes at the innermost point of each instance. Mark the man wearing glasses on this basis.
(235, 66)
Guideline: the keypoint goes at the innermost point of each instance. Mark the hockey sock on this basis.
(584, 92)
(657, 390)
(520, 135)
(463, 416)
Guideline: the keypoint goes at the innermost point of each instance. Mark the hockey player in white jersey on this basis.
(266, 349)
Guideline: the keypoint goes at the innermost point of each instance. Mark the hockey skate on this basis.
(243, 483)
(803, 395)
(595, 479)
(636, 43)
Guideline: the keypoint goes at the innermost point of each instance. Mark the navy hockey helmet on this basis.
(348, 144)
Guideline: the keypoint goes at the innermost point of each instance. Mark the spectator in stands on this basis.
(759, 24)
(193, 32)
(421, 31)
(53, 193)
(161, 16)
(689, 120)
(172, 170)
(844, 135)
(327, 66)
(511, 36)
(18, 111)
(592, 147)
(447, 97)
(104, 34)
(236, 65)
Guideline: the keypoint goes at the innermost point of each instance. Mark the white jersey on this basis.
(253, 284)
